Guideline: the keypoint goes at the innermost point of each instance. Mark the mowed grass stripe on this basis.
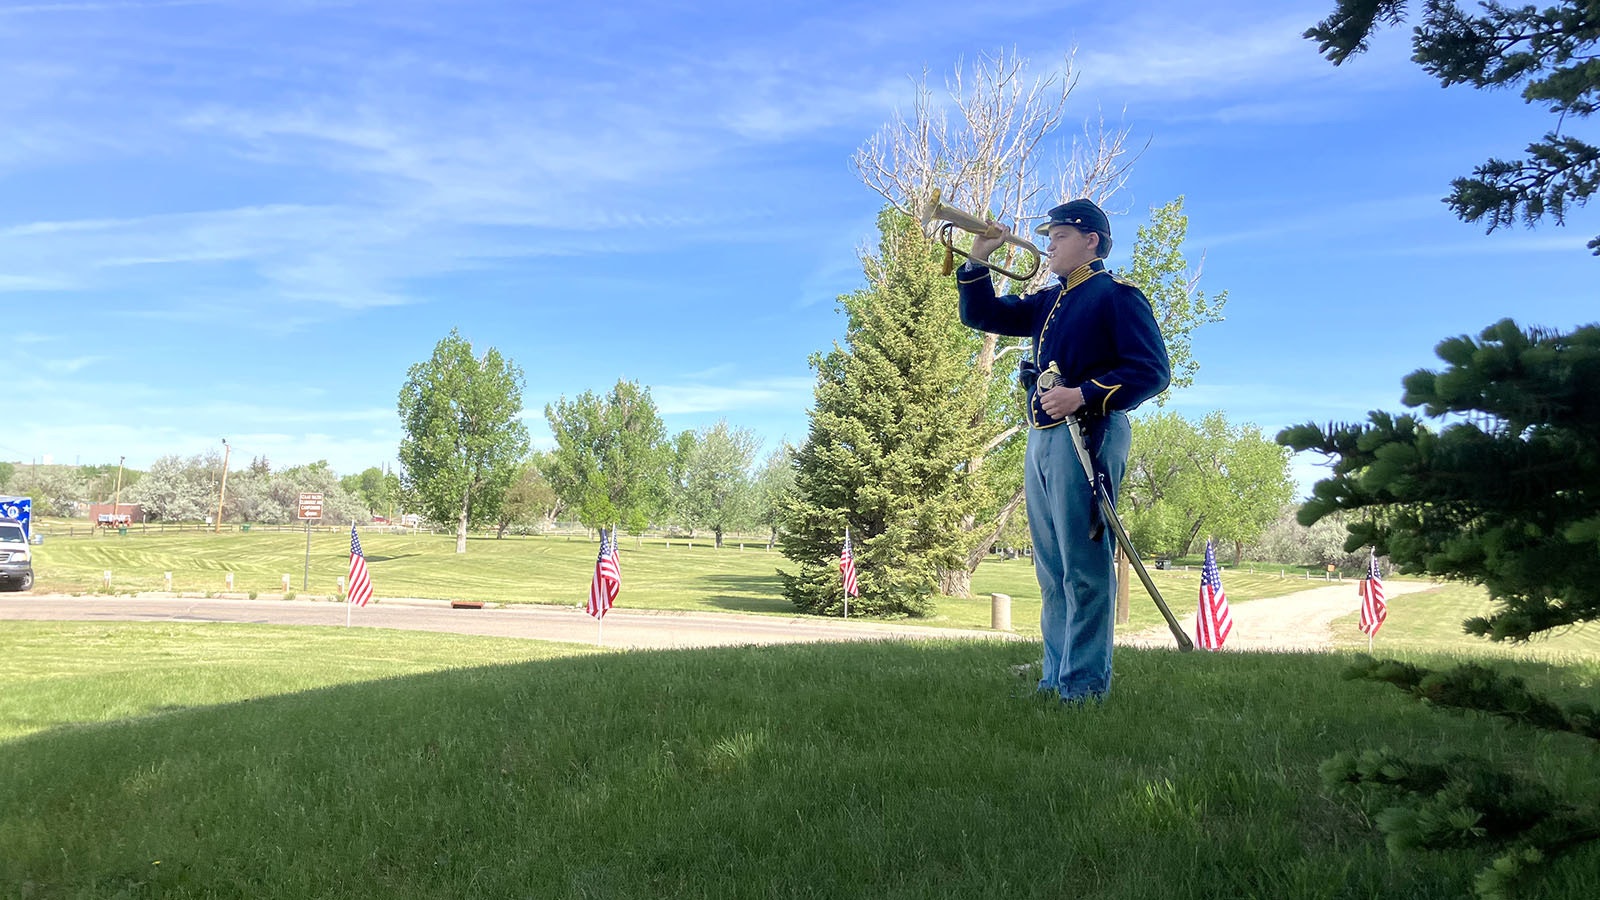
(886, 770)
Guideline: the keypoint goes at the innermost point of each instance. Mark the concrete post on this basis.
(1000, 612)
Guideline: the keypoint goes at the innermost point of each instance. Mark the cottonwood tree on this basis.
(464, 436)
(1213, 478)
(712, 477)
(1003, 155)
(772, 484)
(1553, 52)
(530, 501)
(610, 462)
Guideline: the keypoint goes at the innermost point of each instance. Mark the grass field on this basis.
(553, 570)
(178, 761)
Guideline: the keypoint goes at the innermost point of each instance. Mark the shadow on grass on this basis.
(766, 584)
(752, 604)
(622, 773)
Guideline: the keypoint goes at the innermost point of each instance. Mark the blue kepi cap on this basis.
(1080, 214)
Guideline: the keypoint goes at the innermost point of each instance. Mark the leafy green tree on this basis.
(6, 471)
(530, 501)
(371, 487)
(1211, 478)
(611, 458)
(1505, 496)
(1552, 52)
(177, 489)
(464, 437)
(714, 481)
(890, 432)
(1161, 270)
(772, 485)
(1288, 542)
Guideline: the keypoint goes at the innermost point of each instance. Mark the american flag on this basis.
(607, 581)
(1373, 609)
(847, 565)
(360, 584)
(1212, 621)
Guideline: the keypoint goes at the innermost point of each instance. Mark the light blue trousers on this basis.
(1075, 574)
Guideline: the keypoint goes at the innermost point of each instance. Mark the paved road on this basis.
(623, 628)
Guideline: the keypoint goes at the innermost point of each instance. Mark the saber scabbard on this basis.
(1108, 516)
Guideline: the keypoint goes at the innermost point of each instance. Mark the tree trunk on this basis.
(500, 532)
(461, 522)
(958, 582)
(772, 540)
(1193, 533)
(955, 582)
(1238, 553)
(718, 531)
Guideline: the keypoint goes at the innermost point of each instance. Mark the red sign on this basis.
(311, 506)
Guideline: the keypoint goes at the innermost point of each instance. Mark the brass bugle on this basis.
(936, 210)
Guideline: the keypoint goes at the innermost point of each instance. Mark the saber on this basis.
(1108, 515)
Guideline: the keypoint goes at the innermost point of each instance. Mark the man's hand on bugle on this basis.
(985, 244)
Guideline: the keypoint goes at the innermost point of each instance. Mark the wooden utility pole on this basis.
(116, 498)
(217, 526)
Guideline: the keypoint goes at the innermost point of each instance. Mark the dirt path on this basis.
(1298, 621)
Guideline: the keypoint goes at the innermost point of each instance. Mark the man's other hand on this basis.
(1060, 402)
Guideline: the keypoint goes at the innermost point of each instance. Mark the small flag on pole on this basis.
(1212, 622)
(1373, 609)
(847, 566)
(607, 582)
(360, 584)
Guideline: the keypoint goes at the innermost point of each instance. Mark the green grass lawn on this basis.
(174, 761)
(552, 570)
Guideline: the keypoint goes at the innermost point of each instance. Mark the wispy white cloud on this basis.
(129, 6)
(70, 366)
(680, 399)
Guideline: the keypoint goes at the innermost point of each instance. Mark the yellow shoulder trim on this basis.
(976, 278)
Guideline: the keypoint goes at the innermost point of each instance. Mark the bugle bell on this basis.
(937, 210)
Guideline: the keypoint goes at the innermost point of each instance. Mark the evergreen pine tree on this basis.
(890, 430)
(1506, 495)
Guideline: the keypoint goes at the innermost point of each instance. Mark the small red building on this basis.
(122, 514)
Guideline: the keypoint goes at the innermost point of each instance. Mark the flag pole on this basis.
(347, 595)
(852, 556)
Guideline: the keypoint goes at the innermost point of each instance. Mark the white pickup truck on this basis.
(16, 562)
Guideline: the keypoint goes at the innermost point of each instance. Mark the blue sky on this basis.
(247, 220)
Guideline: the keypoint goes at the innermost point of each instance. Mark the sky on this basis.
(223, 219)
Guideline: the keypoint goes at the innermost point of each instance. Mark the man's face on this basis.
(1069, 248)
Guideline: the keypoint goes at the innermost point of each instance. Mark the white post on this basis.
(169, 582)
(286, 584)
(228, 580)
(1000, 612)
(108, 578)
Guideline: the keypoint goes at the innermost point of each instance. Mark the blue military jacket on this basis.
(1099, 331)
